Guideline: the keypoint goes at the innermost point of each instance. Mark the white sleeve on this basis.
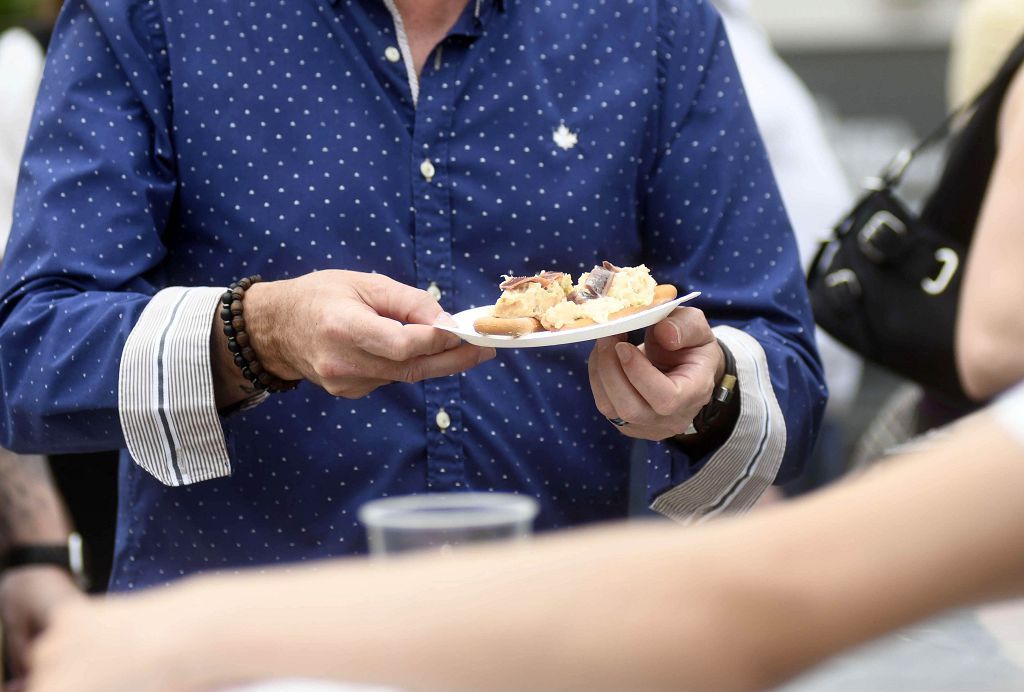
(165, 389)
(746, 464)
(21, 64)
(1009, 411)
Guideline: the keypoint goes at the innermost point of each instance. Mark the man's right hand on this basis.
(348, 332)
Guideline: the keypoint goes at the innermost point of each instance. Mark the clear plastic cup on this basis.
(439, 521)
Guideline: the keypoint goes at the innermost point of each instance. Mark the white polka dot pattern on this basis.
(187, 143)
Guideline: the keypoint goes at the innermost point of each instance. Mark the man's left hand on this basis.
(657, 389)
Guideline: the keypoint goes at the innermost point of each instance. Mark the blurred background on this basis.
(878, 68)
(34, 15)
(879, 71)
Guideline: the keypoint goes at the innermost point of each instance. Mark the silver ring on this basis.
(617, 422)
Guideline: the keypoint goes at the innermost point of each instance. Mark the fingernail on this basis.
(625, 353)
(452, 342)
(677, 335)
(486, 354)
(445, 319)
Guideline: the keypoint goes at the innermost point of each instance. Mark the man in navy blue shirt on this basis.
(380, 162)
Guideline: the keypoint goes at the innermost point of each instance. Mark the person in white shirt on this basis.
(811, 180)
(21, 68)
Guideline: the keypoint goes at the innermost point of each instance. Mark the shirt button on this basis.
(392, 54)
(427, 169)
(442, 419)
(434, 290)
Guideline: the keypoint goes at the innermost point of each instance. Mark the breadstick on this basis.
(518, 326)
(507, 326)
(662, 294)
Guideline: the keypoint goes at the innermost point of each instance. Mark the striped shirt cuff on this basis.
(165, 389)
(742, 469)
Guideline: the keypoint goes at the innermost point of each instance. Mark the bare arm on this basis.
(31, 512)
(742, 603)
(30, 509)
(991, 327)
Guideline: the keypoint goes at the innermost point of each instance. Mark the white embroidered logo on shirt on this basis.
(565, 138)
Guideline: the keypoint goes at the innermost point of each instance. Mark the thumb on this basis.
(678, 339)
(390, 298)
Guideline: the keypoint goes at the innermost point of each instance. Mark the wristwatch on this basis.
(69, 556)
(723, 400)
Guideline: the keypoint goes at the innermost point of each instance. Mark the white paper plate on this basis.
(466, 318)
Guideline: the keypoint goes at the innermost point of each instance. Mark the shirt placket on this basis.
(432, 214)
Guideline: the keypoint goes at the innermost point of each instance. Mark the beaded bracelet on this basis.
(238, 339)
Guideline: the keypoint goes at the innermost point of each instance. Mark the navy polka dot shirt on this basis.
(178, 145)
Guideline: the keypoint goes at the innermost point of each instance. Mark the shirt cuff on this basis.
(736, 475)
(165, 389)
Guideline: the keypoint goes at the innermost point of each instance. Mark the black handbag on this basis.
(887, 284)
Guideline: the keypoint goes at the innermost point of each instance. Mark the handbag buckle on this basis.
(845, 278)
(868, 235)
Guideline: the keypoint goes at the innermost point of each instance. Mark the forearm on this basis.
(750, 601)
(926, 534)
(564, 613)
(989, 326)
(264, 326)
(30, 509)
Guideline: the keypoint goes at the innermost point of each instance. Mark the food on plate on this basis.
(550, 301)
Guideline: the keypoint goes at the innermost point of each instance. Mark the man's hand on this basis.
(28, 598)
(348, 332)
(658, 388)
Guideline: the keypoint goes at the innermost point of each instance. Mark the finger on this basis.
(420, 368)
(399, 301)
(684, 328)
(678, 393)
(447, 363)
(600, 357)
(628, 403)
(392, 340)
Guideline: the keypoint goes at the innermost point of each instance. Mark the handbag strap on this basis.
(892, 174)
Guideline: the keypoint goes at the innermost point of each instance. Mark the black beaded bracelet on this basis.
(231, 314)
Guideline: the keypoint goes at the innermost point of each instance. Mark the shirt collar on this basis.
(478, 5)
(481, 4)
(475, 17)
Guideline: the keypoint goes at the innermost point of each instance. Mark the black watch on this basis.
(722, 400)
(69, 556)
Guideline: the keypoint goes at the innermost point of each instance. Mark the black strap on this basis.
(27, 555)
(892, 174)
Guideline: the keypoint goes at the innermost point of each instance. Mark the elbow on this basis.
(984, 365)
(742, 670)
